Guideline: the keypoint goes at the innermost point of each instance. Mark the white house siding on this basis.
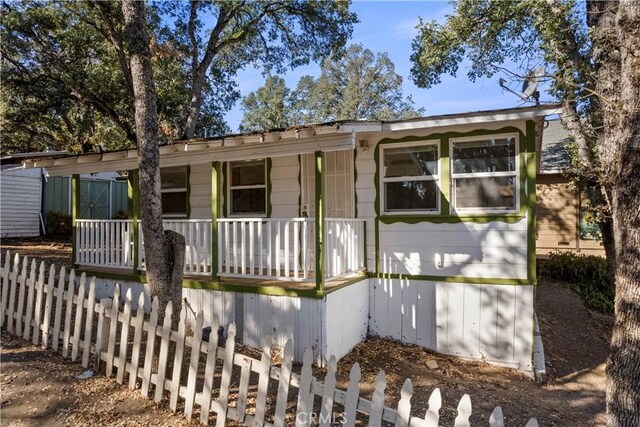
(20, 202)
(346, 318)
(493, 250)
(200, 191)
(285, 188)
(488, 322)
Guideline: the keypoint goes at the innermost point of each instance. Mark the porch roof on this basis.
(333, 136)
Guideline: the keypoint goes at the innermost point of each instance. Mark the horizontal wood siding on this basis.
(558, 218)
(285, 188)
(200, 191)
(493, 250)
(489, 322)
(20, 202)
(365, 199)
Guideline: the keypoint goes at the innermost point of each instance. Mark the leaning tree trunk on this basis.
(164, 250)
(623, 367)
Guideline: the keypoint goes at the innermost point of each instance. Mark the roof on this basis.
(332, 136)
(553, 154)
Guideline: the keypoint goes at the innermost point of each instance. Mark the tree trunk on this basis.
(164, 251)
(623, 162)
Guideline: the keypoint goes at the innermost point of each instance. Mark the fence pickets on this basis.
(108, 342)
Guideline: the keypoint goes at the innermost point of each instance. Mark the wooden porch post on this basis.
(75, 214)
(319, 167)
(134, 212)
(216, 191)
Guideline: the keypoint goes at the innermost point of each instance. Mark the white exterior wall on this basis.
(200, 191)
(285, 188)
(487, 322)
(493, 250)
(20, 202)
(346, 318)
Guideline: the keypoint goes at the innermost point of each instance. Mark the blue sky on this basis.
(389, 26)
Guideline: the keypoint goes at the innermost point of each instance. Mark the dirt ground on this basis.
(38, 387)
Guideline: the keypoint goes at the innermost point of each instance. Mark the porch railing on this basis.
(104, 243)
(262, 248)
(198, 247)
(344, 246)
(276, 248)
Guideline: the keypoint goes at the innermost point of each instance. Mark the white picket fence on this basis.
(206, 376)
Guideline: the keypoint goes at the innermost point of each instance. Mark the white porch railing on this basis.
(276, 248)
(264, 248)
(344, 246)
(104, 243)
(198, 247)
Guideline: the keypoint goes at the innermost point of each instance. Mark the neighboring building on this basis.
(564, 222)
(420, 230)
(20, 196)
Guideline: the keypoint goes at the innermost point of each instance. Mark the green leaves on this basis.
(361, 85)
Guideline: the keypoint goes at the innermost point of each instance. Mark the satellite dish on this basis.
(529, 85)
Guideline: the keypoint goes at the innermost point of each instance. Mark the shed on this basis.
(20, 197)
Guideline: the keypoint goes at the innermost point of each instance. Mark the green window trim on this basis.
(526, 182)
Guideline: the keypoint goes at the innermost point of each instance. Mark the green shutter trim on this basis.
(188, 191)
(75, 213)
(531, 201)
(269, 206)
(134, 210)
(319, 167)
(453, 279)
(225, 189)
(215, 214)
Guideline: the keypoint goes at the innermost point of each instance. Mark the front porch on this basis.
(260, 252)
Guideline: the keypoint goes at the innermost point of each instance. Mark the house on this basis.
(564, 220)
(421, 230)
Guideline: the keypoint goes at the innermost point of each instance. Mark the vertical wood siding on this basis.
(489, 322)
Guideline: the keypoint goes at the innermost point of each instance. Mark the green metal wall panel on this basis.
(55, 196)
(119, 198)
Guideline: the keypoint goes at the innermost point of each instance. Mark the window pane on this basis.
(411, 161)
(173, 177)
(247, 173)
(495, 155)
(490, 192)
(174, 203)
(248, 201)
(411, 195)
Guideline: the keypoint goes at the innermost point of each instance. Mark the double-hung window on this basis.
(484, 175)
(248, 188)
(410, 178)
(173, 187)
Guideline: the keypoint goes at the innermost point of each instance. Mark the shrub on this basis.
(58, 223)
(586, 275)
(121, 215)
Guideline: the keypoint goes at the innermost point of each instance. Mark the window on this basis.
(173, 185)
(248, 188)
(484, 175)
(410, 178)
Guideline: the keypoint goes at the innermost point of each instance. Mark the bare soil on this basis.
(38, 387)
